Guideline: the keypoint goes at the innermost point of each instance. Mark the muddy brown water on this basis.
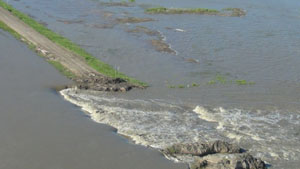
(261, 47)
(38, 129)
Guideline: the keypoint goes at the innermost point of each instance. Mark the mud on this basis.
(133, 20)
(145, 30)
(70, 21)
(162, 46)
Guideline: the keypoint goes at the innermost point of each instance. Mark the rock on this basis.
(224, 147)
(123, 89)
(199, 164)
(235, 161)
(202, 149)
(247, 161)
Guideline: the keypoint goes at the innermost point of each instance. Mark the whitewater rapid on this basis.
(270, 135)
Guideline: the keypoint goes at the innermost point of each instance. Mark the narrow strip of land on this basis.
(85, 76)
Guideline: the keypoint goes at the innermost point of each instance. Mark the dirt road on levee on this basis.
(85, 76)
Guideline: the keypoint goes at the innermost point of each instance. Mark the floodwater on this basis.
(40, 130)
(214, 52)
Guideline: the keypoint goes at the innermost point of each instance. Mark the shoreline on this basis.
(85, 70)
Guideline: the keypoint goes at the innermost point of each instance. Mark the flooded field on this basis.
(234, 78)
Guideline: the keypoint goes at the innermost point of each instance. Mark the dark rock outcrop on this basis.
(203, 149)
(236, 161)
(215, 155)
(104, 84)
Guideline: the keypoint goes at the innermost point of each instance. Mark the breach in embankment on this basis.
(84, 69)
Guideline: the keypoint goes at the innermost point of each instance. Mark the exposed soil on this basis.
(231, 12)
(162, 46)
(158, 43)
(134, 20)
(216, 155)
(70, 21)
(104, 26)
(145, 30)
(85, 76)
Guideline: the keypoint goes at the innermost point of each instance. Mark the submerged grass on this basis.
(244, 82)
(98, 65)
(234, 12)
(162, 10)
(221, 79)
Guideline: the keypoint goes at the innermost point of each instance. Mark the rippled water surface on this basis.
(195, 92)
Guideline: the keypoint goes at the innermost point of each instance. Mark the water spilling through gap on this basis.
(218, 54)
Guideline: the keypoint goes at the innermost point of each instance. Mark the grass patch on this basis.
(235, 11)
(162, 10)
(96, 64)
(195, 85)
(181, 86)
(4, 27)
(221, 79)
(244, 82)
(211, 82)
(171, 86)
(62, 69)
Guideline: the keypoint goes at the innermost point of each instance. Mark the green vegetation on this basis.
(235, 11)
(98, 65)
(171, 86)
(211, 82)
(132, 1)
(244, 82)
(8, 29)
(162, 10)
(171, 150)
(195, 85)
(220, 79)
(62, 69)
(181, 86)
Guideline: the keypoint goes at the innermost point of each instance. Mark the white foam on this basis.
(159, 124)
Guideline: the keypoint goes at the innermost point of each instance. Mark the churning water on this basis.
(214, 52)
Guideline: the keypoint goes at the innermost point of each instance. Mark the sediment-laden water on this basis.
(159, 124)
(211, 77)
(39, 129)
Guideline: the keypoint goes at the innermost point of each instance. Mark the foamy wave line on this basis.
(157, 124)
